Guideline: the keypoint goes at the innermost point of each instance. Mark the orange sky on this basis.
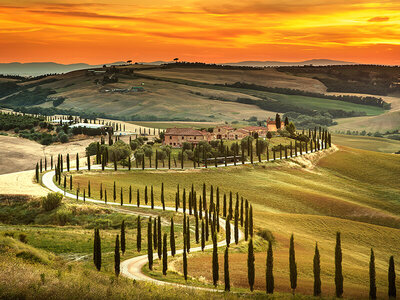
(103, 31)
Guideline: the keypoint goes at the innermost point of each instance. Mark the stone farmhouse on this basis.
(175, 137)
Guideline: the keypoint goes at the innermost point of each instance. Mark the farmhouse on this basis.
(237, 134)
(271, 125)
(221, 132)
(175, 137)
(261, 131)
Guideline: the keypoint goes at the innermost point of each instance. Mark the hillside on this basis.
(347, 190)
(194, 92)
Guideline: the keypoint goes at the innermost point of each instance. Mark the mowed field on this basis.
(267, 77)
(367, 143)
(352, 191)
(160, 99)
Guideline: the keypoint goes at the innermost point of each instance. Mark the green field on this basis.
(367, 143)
(352, 191)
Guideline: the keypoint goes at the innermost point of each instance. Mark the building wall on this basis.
(178, 140)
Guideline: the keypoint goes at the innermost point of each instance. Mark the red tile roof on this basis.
(182, 131)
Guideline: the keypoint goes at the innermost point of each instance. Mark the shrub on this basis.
(266, 235)
(51, 201)
(63, 217)
(63, 138)
(22, 238)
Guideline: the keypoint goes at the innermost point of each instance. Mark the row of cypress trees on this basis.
(269, 277)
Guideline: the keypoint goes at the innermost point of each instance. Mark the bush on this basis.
(266, 235)
(51, 201)
(120, 150)
(22, 238)
(63, 217)
(63, 138)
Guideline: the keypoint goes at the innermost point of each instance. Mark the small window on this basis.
(194, 137)
(183, 137)
(170, 137)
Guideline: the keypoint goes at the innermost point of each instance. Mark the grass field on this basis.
(352, 191)
(367, 143)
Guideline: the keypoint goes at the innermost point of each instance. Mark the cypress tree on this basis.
(246, 221)
(215, 266)
(241, 211)
(338, 267)
(98, 250)
(68, 165)
(139, 235)
(372, 281)
(184, 259)
(122, 197)
(251, 221)
(101, 191)
(152, 198)
(88, 162)
(88, 188)
(172, 237)
(51, 162)
(269, 276)
(391, 279)
(224, 207)
(145, 195)
(207, 225)
(37, 172)
(250, 265)
(187, 235)
(165, 255)
(105, 195)
(227, 231)
(203, 239)
(159, 236)
(317, 272)
(197, 228)
(114, 192)
(95, 252)
(230, 211)
(65, 183)
(115, 162)
(149, 245)
(292, 265)
(41, 166)
(123, 237)
(77, 162)
(204, 197)
(70, 182)
(162, 196)
(117, 257)
(130, 194)
(226, 270)
(156, 160)
(236, 229)
(155, 231)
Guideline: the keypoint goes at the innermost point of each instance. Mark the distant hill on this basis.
(315, 62)
(41, 68)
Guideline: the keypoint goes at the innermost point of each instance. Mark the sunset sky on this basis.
(71, 31)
